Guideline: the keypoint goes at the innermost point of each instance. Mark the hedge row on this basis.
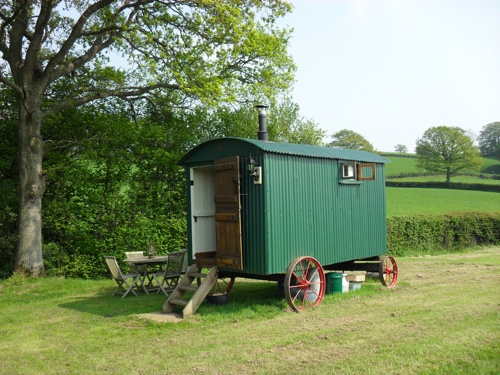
(412, 235)
(483, 176)
(444, 185)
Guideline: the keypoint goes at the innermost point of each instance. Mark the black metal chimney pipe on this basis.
(262, 134)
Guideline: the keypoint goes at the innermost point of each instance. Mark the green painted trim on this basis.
(350, 182)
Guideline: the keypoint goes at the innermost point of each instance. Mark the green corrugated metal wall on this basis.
(307, 212)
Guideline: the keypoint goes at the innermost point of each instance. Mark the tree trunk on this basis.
(448, 175)
(29, 258)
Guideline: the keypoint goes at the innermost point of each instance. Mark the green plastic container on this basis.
(333, 282)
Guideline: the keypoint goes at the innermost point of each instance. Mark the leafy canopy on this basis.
(349, 139)
(489, 140)
(447, 150)
(207, 50)
(401, 148)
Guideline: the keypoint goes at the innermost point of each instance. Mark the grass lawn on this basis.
(442, 318)
(423, 201)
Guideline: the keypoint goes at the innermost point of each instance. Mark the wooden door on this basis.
(228, 212)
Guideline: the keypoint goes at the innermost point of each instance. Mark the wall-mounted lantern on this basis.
(255, 170)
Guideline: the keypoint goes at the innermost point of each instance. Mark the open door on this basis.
(228, 212)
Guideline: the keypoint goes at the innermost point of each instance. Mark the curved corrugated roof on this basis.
(301, 150)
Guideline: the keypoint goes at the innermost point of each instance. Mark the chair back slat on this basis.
(113, 267)
(134, 254)
(185, 262)
(132, 267)
(175, 262)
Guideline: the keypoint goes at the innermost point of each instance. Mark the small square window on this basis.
(348, 170)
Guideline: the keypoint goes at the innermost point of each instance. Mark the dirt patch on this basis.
(160, 317)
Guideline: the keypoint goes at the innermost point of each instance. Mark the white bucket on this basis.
(354, 285)
(345, 283)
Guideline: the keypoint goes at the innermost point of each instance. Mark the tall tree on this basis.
(401, 148)
(447, 150)
(489, 140)
(199, 50)
(349, 139)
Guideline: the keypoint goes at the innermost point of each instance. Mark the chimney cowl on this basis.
(262, 134)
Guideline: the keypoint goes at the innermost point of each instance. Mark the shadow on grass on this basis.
(103, 304)
(248, 299)
(246, 295)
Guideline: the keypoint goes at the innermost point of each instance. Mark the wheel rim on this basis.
(388, 271)
(304, 283)
(223, 285)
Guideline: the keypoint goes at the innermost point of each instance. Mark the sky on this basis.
(391, 69)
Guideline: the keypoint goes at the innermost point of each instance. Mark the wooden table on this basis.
(160, 260)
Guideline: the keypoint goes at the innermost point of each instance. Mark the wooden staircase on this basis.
(185, 285)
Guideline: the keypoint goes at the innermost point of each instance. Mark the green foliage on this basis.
(411, 235)
(447, 150)
(8, 182)
(176, 54)
(113, 191)
(489, 140)
(349, 139)
(286, 125)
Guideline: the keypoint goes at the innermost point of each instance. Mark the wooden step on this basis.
(188, 288)
(177, 301)
(196, 274)
(200, 292)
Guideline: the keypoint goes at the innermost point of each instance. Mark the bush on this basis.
(410, 235)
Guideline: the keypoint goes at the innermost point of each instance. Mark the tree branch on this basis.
(58, 58)
(12, 85)
(126, 92)
(100, 42)
(32, 60)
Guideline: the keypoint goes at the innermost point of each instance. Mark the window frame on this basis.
(360, 172)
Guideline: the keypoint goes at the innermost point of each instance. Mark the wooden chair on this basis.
(133, 268)
(168, 278)
(124, 286)
(185, 262)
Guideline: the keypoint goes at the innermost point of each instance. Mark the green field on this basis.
(401, 164)
(416, 201)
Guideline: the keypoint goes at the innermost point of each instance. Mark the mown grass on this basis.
(416, 201)
(442, 317)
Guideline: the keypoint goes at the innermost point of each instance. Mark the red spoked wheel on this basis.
(388, 271)
(304, 283)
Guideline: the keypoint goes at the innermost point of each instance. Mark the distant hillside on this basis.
(405, 163)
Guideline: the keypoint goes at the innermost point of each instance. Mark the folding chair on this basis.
(170, 276)
(124, 287)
